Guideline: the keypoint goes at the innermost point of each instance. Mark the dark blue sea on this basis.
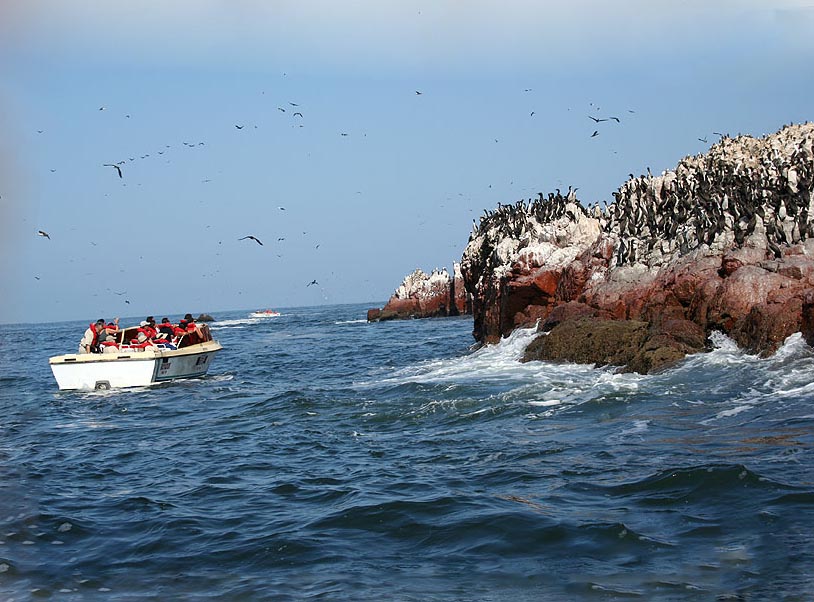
(325, 458)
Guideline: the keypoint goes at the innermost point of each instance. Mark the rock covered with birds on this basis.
(723, 242)
(423, 295)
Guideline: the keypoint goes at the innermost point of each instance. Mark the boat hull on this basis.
(133, 368)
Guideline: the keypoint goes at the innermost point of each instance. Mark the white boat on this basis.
(135, 366)
(266, 313)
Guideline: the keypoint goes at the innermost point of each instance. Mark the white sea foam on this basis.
(342, 322)
(491, 361)
(537, 384)
(236, 322)
(765, 380)
(549, 402)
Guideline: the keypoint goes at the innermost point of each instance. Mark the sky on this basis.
(357, 140)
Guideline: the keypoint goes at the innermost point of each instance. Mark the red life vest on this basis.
(95, 335)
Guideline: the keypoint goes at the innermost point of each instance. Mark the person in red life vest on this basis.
(177, 331)
(166, 330)
(111, 330)
(90, 340)
(191, 325)
(145, 332)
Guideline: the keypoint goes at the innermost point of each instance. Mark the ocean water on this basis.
(324, 458)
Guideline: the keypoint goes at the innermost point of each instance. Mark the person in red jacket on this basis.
(90, 340)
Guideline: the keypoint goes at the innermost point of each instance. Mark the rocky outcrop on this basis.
(426, 296)
(205, 318)
(724, 242)
(639, 346)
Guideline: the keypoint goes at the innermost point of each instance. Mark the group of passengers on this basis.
(101, 336)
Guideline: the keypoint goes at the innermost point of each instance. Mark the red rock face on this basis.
(725, 242)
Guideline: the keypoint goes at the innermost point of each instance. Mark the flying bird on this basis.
(597, 120)
(43, 234)
(297, 113)
(118, 169)
(240, 127)
(281, 208)
(704, 140)
(596, 133)
(616, 119)
(418, 93)
(312, 282)
(254, 238)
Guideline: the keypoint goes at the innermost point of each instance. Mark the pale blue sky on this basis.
(362, 210)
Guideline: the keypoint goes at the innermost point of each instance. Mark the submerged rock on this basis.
(639, 346)
(724, 242)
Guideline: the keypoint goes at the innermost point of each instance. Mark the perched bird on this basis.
(312, 282)
(254, 238)
(596, 133)
(118, 169)
(43, 234)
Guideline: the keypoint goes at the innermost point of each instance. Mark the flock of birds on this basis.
(552, 207)
(119, 172)
(720, 197)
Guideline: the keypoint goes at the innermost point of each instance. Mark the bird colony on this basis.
(745, 191)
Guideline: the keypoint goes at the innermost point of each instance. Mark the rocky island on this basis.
(424, 295)
(723, 242)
